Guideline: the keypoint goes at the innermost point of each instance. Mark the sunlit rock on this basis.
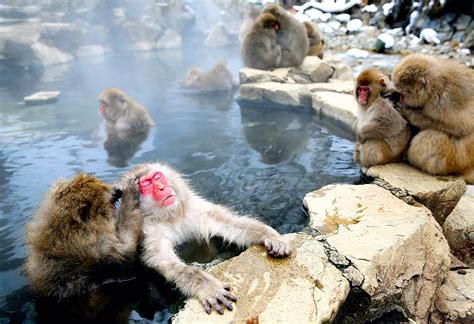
(219, 36)
(399, 248)
(339, 106)
(316, 69)
(438, 194)
(42, 97)
(459, 229)
(284, 94)
(304, 288)
(454, 300)
(170, 39)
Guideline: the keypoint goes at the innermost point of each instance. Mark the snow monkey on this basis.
(121, 112)
(382, 133)
(259, 48)
(316, 39)
(79, 240)
(291, 36)
(219, 78)
(438, 98)
(174, 214)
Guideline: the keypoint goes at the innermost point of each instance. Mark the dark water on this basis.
(259, 161)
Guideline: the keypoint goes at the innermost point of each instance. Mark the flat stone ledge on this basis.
(339, 106)
(284, 94)
(439, 194)
(304, 288)
(398, 248)
(338, 86)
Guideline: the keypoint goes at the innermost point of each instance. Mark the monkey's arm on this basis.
(245, 231)
(417, 118)
(192, 281)
(380, 127)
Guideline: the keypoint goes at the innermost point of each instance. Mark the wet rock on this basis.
(42, 97)
(439, 194)
(459, 230)
(454, 300)
(218, 37)
(316, 69)
(284, 94)
(304, 288)
(339, 106)
(170, 39)
(398, 248)
(339, 86)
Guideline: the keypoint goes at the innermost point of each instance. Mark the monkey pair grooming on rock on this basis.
(75, 235)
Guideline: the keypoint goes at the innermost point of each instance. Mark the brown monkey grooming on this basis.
(291, 36)
(438, 98)
(316, 39)
(219, 78)
(259, 49)
(76, 241)
(121, 112)
(382, 133)
(175, 215)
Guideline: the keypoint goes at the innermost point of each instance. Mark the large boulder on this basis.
(304, 288)
(170, 39)
(438, 194)
(339, 106)
(399, 248)
(316, 69)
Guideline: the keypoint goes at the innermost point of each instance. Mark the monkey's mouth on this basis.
(168, 201)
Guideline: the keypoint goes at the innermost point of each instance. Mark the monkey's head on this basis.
(369, 85)
(193, 78)
(113, 103)
(411, 77)
(268, 21)
(309, 28)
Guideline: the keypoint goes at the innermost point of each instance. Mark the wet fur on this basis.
(192, 217)
(75, 241)
(259, 48)
(292, 36)
(439, 100)
(219, 78)
(382, 133)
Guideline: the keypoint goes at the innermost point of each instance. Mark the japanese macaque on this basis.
(121, 112)
(382, 133)
(291, 36)
(316, 39)
(438, 97)
(78, 240)
(219, 78)
(175, 215)
(259, 48)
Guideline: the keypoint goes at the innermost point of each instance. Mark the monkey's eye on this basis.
(157, 176)
(145, 182)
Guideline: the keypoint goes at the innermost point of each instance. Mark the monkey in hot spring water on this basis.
(174, 214)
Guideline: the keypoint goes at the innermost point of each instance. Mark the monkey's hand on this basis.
(276, 247)
(212, 293)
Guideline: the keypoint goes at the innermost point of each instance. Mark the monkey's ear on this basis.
(382, 83)
(84, 211)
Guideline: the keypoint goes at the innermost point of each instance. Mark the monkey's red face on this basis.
(155, 184)
(276, 26)
(363, 94)
(102, 108)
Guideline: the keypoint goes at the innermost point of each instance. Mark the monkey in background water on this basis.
(218, 78)
(438, 97)
(174, 214)
(382, 133)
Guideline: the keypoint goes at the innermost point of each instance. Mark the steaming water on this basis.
(259, 161)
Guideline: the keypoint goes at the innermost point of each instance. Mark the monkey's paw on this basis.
(213, 293)
(276, 247)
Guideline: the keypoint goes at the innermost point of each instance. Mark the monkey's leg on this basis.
(434, 152)
(356, 155)
(245, 231)
(192, 281)
(375, 152)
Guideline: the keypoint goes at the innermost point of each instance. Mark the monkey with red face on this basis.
(174, 214)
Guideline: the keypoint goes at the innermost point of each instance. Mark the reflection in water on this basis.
(121, 146)
(218, 100)
(277, 134)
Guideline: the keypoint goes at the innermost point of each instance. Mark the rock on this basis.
(354, 25)
(459, 230)
(45, 55)
(294, 95)
(170, 39)
(339, 106)
(137, 31)
(65, 37)
(342, 72)
(316, 69)
(143, 46)
(455, 298)
(430, 36)
(339, 86)
(304, 288)
(248, 75)
(343, 18)
(19, 12)
(357, 53)
(462, 23)
(398, 248)
(218, 37)
(91, 50)
(42, 97)
(438, 194)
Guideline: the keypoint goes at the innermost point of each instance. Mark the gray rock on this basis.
(316, 69)
(462, 23)
(170, 39)
(42, 97)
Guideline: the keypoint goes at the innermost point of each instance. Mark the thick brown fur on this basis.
(382, 133)
(219, 78)
(291, 36)
(122, 112)
(316, 39)
(76, 242)
(438, 97)
(259, 48)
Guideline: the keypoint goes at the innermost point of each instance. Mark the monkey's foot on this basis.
(276, 247)
(213, 293)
